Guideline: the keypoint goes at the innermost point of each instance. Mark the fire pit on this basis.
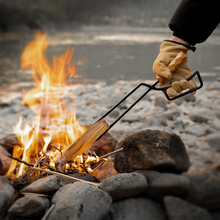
(144, 175)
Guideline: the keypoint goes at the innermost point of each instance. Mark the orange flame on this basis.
(46, 101)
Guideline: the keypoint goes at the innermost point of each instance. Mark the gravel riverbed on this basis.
(196, 119)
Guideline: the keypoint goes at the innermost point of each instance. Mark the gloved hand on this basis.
(176, 78)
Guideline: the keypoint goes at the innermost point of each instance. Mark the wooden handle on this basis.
(83, 142)
(177, 61)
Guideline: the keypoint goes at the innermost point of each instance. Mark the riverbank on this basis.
(195, 119)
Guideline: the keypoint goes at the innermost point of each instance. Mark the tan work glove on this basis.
(168, 51)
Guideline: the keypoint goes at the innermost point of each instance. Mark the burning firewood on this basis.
(104, 171)
(86, 139)
(106, 144)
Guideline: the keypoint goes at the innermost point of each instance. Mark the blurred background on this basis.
(113, 40)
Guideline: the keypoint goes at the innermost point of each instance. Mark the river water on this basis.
(103, 53)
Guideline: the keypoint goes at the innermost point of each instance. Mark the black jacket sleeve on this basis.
(195, 20)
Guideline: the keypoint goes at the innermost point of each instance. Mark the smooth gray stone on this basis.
(29, 206)
(48, 185)
(161, 184)
(213, 140)
(154, 122)
(81, 201)
(6, 195)
(124, 185)
(137, 208)
(196, 130)
(131, 118)
(179, 209)
(189, 140)
(200, 115)
(161, 102)
(188, 98)
(172, 114)
(178, 126)
(60, 192)
(204, 189)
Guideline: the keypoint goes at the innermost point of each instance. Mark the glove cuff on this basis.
(187, 46)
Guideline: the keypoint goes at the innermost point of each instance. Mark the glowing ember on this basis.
(51, 114)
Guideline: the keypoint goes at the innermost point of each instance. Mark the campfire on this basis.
(54, 126)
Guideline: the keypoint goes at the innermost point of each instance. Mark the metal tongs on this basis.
(150, 87)
(98, 129)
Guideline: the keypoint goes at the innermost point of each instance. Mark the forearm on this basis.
(194, 20)
(177, 39)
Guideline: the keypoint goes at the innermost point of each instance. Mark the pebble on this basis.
(217, 113)
(189, 98)
(115, 114)
(183, 100)
(124, 185)
(204, 189)
(189, 140)
(6, 195)
(177, 125)
(172, 114)
(153, 122)
(200, 116)
(60, 192)
(214, 86)
(196, 130)
(108, 102)
(130, 118)
(215, 124)
(137, 208)
(48, 185)
(81, 201)
(207, 103)
(213, 140)
(29, 207)
(160, 101)
(161, 184)
(179, 209)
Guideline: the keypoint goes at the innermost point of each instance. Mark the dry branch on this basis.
(21, 161)
(64, 176)
(113, 152)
